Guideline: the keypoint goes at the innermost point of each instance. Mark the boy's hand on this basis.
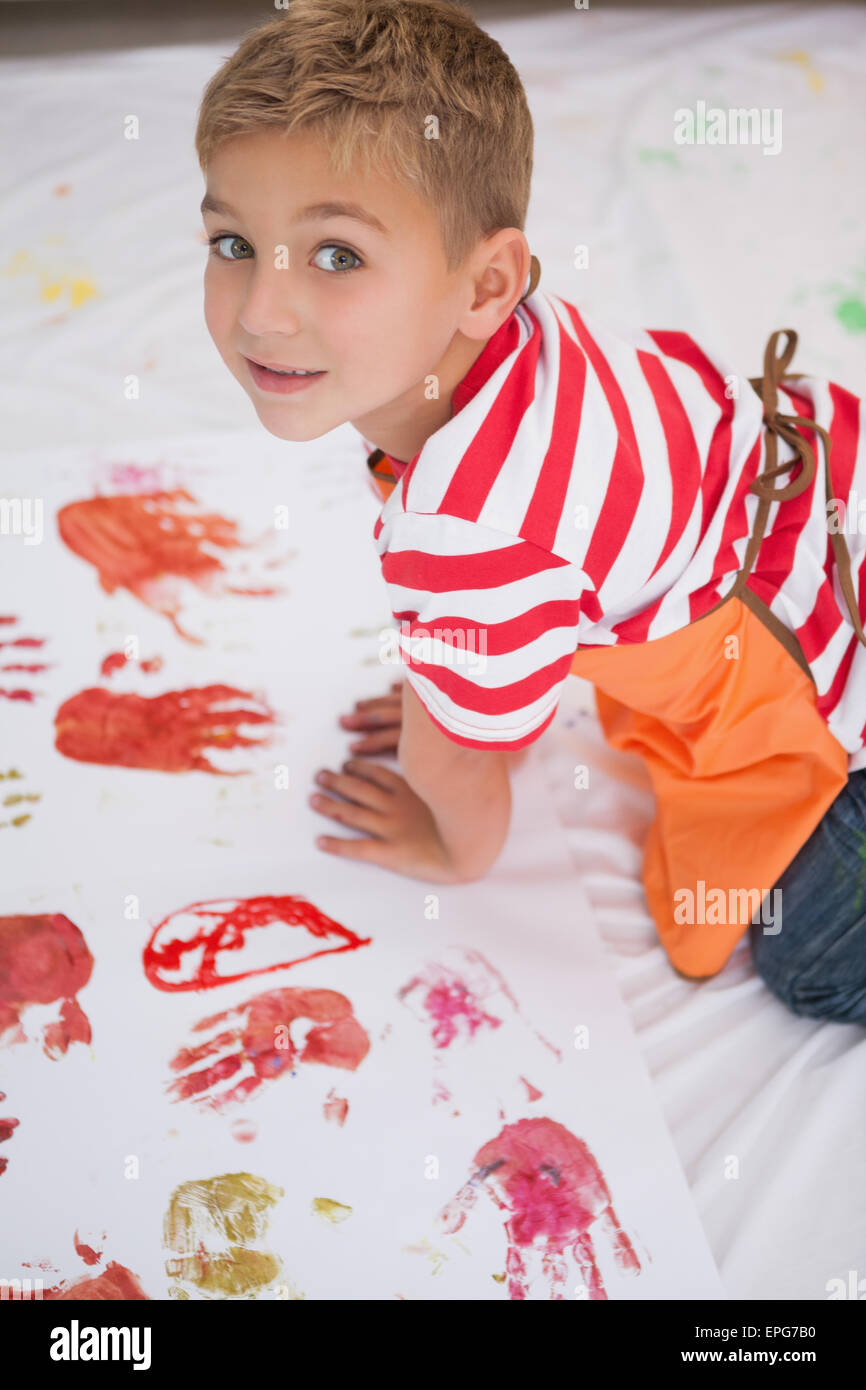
(383, 716)
(402, 834)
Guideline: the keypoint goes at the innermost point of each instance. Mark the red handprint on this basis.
(260, 1038)
(44, 959)
(165, 733)
(553, 1189)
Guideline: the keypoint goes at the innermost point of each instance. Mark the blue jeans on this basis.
(816, 964)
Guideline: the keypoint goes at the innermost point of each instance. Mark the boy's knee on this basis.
(812, 992)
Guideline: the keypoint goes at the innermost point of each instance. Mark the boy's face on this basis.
(374, 310)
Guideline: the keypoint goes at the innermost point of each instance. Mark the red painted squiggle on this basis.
(183, 950)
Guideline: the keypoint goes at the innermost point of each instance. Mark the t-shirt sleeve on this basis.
(486, 626)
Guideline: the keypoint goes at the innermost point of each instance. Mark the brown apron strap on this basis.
(785, 426)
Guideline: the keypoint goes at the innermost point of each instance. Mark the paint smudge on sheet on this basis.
(8, 1127)
(114, 1283)
(451, 1006)
(12, 652)
(851, 314)
(172, 732)
(331, 1211)
(458, 1001)
(211, 1230)
(532, 1092)
(121, 475)
(43, 960)
(184, 948)
(12, 800)
(87, 1252)
(54, 284)
(156, 544)
(648, 155)
(244, 1131)
(116, 661)
(258, 1040)
(335, 1108)
(553, 1191)
(435, 1258)
(804, 60)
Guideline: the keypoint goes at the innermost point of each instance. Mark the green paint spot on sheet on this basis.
(649, 156)
(851, 313)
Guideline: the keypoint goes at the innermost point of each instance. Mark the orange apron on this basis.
(724, 715)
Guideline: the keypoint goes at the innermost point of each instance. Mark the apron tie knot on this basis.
(780, 426)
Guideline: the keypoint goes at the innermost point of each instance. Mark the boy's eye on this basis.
(337, 257)
(214, 241)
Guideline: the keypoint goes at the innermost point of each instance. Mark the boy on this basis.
(548, 486)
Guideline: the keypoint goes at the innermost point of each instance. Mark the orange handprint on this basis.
(172, 732)
(156, 544)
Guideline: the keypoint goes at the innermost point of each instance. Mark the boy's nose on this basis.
(270, 306)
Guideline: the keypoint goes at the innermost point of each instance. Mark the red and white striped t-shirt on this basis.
(591, 488)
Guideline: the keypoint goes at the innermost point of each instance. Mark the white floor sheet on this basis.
(103, 256)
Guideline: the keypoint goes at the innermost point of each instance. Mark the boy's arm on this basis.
(466, 789)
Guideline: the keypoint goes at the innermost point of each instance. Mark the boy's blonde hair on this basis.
(368, 75)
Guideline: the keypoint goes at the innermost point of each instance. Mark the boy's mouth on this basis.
(283, 381)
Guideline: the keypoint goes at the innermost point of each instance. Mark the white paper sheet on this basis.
(540, 1041)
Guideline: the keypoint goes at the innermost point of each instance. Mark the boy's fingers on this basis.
(372, 719)
(383, 741)
(370, 851)
(355, 785)
(348, 813)
(383, 777)
(389, 702)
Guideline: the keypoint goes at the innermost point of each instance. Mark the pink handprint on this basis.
(260, 1038)
(464, 1002)
(554, 1191)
